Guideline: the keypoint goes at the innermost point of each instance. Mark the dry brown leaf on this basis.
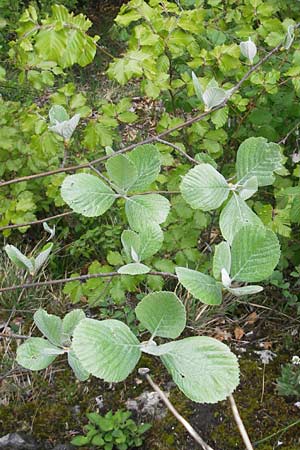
(252, 318)
(267, 345)
(238, 333)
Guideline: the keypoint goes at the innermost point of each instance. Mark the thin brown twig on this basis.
(150, 139)
(36, 222)
(78, 278)
(68, 213)
(285, 138)
(192, 432)
(176, 147)
(13, 335)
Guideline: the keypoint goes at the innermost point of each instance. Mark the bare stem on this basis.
(240, 424)
(192, 432)
(35, 222)
(79, 278)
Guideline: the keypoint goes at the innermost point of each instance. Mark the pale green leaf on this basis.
(107, 349)
(213, 96)
(260, 158)
(37, 353)
(203, 187)
(134, 269)
(18, 258)
(121, 171)
(248, 49)
(66, 129)
(201, 286)
(203, 368)
(49, 230)
(70, 321)
(42, 257)
(87, 194)
(49, 325)
(197, 86)
(142, 210)
(58, 113)
(162, 313)
(222, 259)
(146, 159)
(255, 253)
(245, 290)
(143, 245)
(235, 215)
(76, 366)
(249, 188)
(131, 243)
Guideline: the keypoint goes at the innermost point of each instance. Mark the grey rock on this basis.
(18, 441)
(148, 404)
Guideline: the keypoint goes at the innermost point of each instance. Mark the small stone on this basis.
(18, 441)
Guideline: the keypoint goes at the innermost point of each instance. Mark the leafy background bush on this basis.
(159, 45)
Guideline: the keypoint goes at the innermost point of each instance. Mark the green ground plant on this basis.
(112, 431)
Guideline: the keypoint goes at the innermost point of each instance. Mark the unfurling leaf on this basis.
(248, 49)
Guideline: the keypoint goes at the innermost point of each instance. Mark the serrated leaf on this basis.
(134, 269)
(201, 286)
(258, 157)
(162, 313)
(295, 210)
(222, 259)
(35, 353)
(70, 321)
(107, 349)
(76, 366)
(219, 118)
(255, 252)
(121, 171)
(203, 187)
(49, 325)
(18, 258)
(142, 210)
(42, 257)
(248, 188)
(203, 368)
(87, 194)
(245, 290)
(235, 215)
(146, 159)
(58, 113)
